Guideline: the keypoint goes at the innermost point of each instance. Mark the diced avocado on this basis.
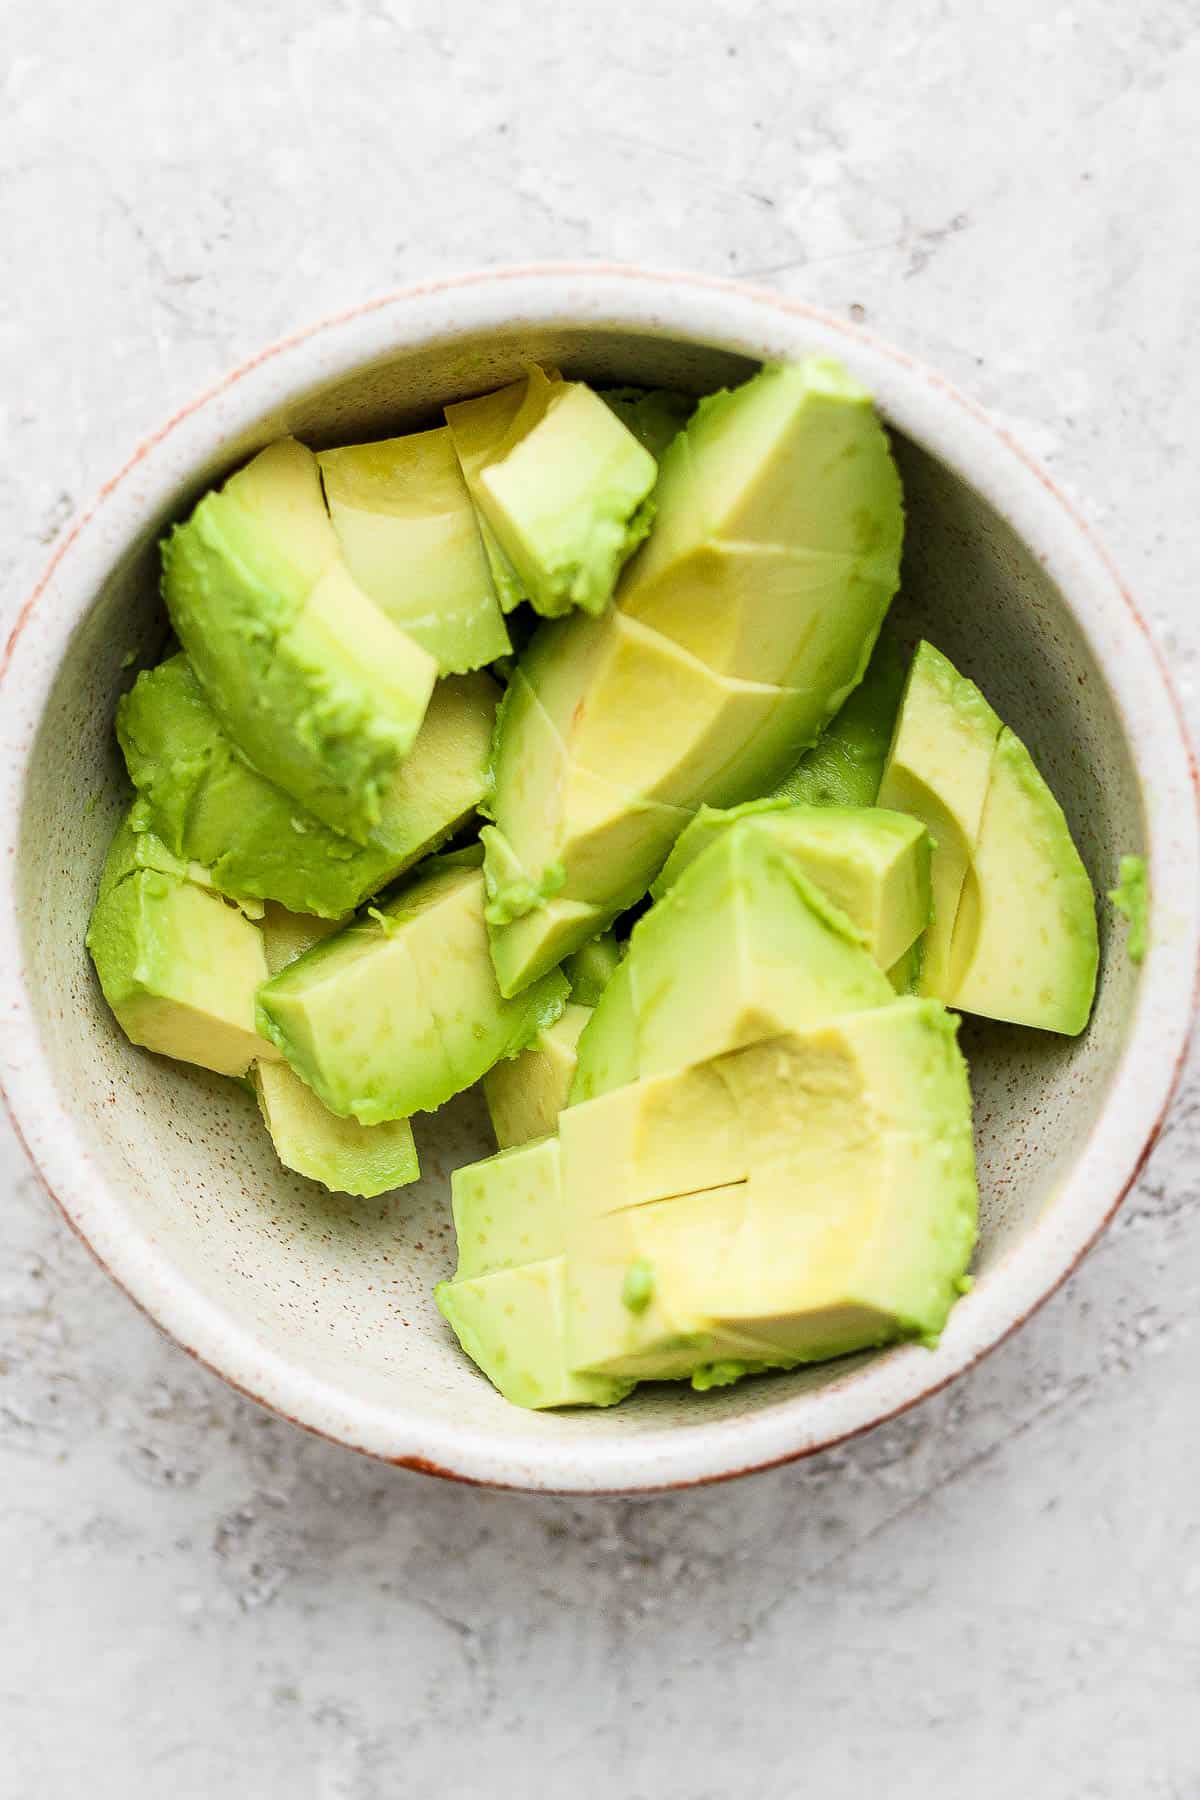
(1131, 897)
(654, 415)
(676, 1249)
(606, 1056)
(316, 686)
(210, 805)
(938, 768)
(854, 1227)
(742, 947)
(526, 1093)
(776, 548)
(410, 538)
(870, 863)
(563, 492)
(845, 765)
(508, 1209)
(401, 1010)
(478, 428)
(178, 966)
(590, 969)
(287, 935)
(134, 847)
(341, 1154)
(1025, 944)
(512, 1325)
(658, 1138)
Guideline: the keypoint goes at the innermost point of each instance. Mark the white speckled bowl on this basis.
(321, 1307)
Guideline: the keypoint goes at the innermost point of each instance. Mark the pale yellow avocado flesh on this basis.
(508, 1209)
(1025, 945)
(479, 428)
(526, 1093)
(410, 538)
(341, 1154)
(938, 768)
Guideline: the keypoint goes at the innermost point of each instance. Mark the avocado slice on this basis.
(344, 1156)
(563, 492)
(683, 691)
(526, 1093)
(506, 1303)
(316, 686)
(211, 806)
(606, 1056)
(178, 966)
(478, 429)
(776, 549)
(870, 863)
(1025, 944)
(937, 769)
(655, 416)
(845, 765)
(401, 1010)
(590, 969)
(853, 1228)
(410, 538)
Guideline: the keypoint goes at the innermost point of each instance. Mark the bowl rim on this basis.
(926, 407)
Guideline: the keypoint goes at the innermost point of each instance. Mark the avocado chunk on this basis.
(938, 768)
(845, 765)
(655, 697)
(775, 956)
(870, 863)
(287, 935)
(401, 1010)
(1025, 945)
(177, 965)
(478, 429)
(316, 686)
(590, 969)
(506, 1303)
(344, 1156)
(606, 1056)
(563, 492)
(655, 416)
(526, 1093)
(410, 538)
(1131, 898)
(853, 1228)
(209, 805)
(776, 548)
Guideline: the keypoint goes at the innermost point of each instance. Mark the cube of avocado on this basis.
(208, 804)
(938, 769)
(870, 863)
(316, 686)
(344, 1156)
(564, 492)
(655, 416)
(512, 1325)
(854, 1226)
(845, 765)
(1025, 945)
(478, 429)
(590, 969)
(287, 935)
(776, 547)
(526, 1093)
(776, 956)
(508, 1209)
(177, 965)
(401, 1010)
(409, 535)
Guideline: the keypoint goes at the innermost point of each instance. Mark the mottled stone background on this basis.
(1000, 1593)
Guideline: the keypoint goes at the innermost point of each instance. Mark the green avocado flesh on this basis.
(320, 691)
(1131, 897)
(739, 629)
(209, 805)
(401, 1010)
(407, 529)
(562, 749)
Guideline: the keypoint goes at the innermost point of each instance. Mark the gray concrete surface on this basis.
(1001, 1592)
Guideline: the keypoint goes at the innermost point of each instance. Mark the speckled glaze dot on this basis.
(321, 1306)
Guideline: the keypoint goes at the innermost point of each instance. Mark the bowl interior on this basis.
(342, 1288)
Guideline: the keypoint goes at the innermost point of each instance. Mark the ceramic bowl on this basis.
(320, 1306)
